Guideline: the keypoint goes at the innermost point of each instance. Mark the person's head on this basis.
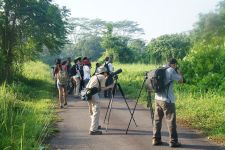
(85, 58)
(102, 70)
(97, 65)
(57, 61)
(173, 63)
(77, 60)
(64, 62)
(107, 58)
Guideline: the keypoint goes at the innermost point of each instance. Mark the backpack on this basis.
(62, 77)
(156, 80)
(73, 71)
(86, 94)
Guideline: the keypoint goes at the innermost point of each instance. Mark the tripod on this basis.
(109, 108)
(149, 104)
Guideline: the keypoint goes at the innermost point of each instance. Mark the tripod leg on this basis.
(121, 91)
(132, 114)
(110, 109)
(107, 110)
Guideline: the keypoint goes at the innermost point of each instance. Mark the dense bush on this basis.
(205, 67)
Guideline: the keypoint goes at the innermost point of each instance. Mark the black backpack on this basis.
(156, 80)
(73, 71)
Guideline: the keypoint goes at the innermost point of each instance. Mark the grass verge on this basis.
(26, 108)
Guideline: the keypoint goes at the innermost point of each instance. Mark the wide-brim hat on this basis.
(101, 69)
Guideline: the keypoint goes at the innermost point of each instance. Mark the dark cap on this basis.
(107, 58)
(172, 61)
(77, 58)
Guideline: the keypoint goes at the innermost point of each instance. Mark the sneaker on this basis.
(175, 144)
(95, 132)
(156, 142)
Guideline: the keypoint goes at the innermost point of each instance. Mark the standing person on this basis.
(56, 70)
(165, 105)
(78, 77)
(96, 68)
(108, 65)
(97, 81)
(61, 77)
(86, 70)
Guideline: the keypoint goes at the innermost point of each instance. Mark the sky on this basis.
(156, 17)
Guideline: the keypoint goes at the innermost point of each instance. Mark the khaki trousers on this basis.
(168, 109)
(77, 86)
(94, 109)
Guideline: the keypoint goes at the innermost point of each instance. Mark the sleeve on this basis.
(110, 67)
(175, 76)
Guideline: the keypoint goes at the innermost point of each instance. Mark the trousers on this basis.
(168, 109)
(94, 108)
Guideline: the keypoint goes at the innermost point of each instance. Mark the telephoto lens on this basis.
(116, 72)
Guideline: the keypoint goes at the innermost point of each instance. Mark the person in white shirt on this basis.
(108, 65)
(87, 74)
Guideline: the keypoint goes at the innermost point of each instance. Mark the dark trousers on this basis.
(168, 109)
(108, 93)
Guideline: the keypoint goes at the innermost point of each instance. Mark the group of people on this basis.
(71, 79)
(165, 101)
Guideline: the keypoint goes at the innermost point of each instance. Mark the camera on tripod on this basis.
(113, 76)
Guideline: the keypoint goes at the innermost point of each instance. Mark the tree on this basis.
(26, 28)
(127, 28)
(138, 48)
(204, 66)
(168, 46)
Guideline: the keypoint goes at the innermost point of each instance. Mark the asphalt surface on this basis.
(74, 130)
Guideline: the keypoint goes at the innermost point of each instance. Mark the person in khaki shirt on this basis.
(98, 81)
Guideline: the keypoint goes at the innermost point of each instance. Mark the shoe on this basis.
(99, 127)
(95, 132)
(61, 107)
(156, 142)
(65, 104)
(175, 144)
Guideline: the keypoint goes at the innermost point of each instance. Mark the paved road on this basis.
(74, 128)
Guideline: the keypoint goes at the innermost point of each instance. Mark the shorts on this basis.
(59, 85)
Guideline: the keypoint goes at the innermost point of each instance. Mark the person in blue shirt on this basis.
(165, 106)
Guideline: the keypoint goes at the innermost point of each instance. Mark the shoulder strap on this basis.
(98, 83)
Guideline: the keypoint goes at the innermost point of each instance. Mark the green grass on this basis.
(132, 77)
(26, 108)
(203, 111)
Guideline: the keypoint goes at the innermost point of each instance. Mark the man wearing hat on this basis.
(165, 105)
(97, 81)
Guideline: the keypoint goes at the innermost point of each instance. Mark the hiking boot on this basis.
(156, 142)
(175, 144)
(95, 132)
